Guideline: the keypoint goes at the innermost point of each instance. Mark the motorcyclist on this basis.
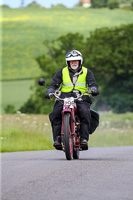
(74, 79)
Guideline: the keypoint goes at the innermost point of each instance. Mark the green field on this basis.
(15, 92)
(33, 132)
(24, 31)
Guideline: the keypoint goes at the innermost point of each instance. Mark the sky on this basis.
(45, 3)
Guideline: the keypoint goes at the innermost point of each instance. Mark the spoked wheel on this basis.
(68, 140)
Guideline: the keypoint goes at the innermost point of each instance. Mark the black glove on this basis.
(94, 91)
(48, 95)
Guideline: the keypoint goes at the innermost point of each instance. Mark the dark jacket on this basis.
(57, 81)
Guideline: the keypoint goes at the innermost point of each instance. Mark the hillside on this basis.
(25, 29)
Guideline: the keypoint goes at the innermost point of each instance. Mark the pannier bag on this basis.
(94, 121)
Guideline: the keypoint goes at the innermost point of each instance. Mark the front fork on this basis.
(72, 121)
(72, 126)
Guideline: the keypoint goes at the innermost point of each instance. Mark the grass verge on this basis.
(18, 140)
(21, 132)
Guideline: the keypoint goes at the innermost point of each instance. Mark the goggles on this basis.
(72, 54)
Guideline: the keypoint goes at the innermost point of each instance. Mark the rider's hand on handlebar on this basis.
(49, 93)
(94, 91)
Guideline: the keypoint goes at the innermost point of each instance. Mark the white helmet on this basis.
(74, 55)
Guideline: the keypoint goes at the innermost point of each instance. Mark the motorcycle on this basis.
(70, 131)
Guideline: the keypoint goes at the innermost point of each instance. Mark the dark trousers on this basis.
(83, 110)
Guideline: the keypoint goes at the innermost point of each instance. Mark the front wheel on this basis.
(68, 140)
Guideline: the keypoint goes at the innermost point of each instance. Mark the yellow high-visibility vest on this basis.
(68, 86)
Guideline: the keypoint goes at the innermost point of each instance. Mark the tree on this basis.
(110, 57)
(132, 4)
(117, 93)
(22, 3)
(58, 6)
(109, 52)
(80, 3)
(112, 4)
(99, 3)
(34, 5)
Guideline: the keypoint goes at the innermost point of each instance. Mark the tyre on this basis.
(68, 140)
(75, 153)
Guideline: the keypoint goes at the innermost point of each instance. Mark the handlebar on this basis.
(57, 93)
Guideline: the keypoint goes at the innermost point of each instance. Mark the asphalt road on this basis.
(99, 174)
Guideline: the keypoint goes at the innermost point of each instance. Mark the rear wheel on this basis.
(76, 148)
(76, 153)
(68, 140)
